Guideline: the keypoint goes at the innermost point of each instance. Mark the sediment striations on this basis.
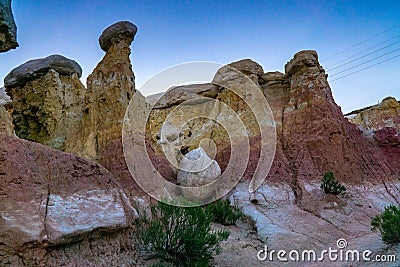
(8, 30)
(49, 199)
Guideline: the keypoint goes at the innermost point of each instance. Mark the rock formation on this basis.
(381, 122)
(50, 198)
(385, 114)
(52, 107)
(8, 30)
(109, 90)
(209, 112)
(57, 208)
(47, 99)
(313, 137)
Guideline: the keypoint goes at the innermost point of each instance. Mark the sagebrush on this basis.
(181, 236)
(388, 225)
(332, 186)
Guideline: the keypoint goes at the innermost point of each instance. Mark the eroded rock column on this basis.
(109, 89)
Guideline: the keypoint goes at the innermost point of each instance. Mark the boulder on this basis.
(36, 68)
(197, 169)
(116, 32)
(56, 206)
(8, 29)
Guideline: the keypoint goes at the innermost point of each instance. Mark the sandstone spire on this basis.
(109, 90)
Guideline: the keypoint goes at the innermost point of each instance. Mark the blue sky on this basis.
(174, 32)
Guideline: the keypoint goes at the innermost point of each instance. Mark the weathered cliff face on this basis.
(58, 209)
(47, 100)
(290, 210)
(8, 30)
(381, 123)
(313, 136)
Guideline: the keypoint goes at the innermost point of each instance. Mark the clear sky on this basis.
(269, 32)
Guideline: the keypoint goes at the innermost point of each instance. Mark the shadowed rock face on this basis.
(8, 30)
(47, 100)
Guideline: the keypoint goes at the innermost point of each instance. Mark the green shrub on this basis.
(331, 186)
(223, 212)
(388, 225)
(181, 236)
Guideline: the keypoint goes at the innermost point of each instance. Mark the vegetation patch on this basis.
(388, 225)
(180, 236)
(332, 186)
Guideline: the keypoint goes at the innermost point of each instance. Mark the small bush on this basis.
(388, 225)
(331, 186)
(223, 212)
(181, 236)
